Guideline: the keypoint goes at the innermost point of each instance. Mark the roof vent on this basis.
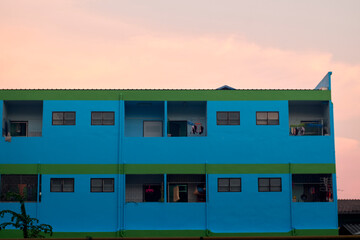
(225, 87)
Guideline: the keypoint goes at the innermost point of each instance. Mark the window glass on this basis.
(96, 185)
(68, 185)
(235, 185)
(229, 185)
(58, 116)
(63, 118)
(267, 118)
(223, 185)
(102, 185)
(269, 184)
(228, 118)
(56, 185)
(102, 118)
(109, 185)
(61, 185)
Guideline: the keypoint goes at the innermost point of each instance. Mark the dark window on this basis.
(63, 118)
(229, 184)
(25, 185)
(269, 184)
(102, 185)
(61, 185)
(267, 118)
(144, 188)
(102, 118)
(19, 128)
(312, 188)
(228, 118)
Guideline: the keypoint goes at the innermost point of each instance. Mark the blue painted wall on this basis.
(247, 211)
(81, 210)
(245, 143)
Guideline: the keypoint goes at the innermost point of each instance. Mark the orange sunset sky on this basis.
(266, 44)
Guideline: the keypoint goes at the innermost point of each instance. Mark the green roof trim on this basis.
(166, 168)
(166, 95)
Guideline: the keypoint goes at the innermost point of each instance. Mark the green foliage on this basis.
(29, 226)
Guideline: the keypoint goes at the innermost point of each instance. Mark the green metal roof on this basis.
(165, 95)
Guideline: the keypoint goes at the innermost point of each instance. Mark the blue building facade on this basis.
(111, 163)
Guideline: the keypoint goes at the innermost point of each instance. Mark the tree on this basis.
(29, 226)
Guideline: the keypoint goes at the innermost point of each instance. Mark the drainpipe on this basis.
(38, 170)
(207, 188)
(122, 169)
(290, 192)
(119, 222)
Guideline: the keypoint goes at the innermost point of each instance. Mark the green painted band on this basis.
(165, 168)
(313, 168)
(165, 95)
(176, 233)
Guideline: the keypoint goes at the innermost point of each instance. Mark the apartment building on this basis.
(224, 162)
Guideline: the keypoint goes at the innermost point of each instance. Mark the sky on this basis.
(203, 44)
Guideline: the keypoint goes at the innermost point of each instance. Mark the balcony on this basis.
(309, 118)
(22, 119)
(144, 119)
(186, 119)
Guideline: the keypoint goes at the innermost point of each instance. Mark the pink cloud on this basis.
(85, 50)
(347, 168)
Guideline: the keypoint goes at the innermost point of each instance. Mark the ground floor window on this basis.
(269, 184)
(102, 185)
(62, 185)
(24, 184)
(312, 188)
(186, 188)
(144, 188)
(229, 184)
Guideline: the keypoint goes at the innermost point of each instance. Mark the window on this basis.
(61, 185)
(102, 185)
(229, 185)
(102, 118)
(267, 118)
(18, 128)
(312, 188)
(63, 118)
(25, 185)
(269, 184)
(153, 128)
(228, 118)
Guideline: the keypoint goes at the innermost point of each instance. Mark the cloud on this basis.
(69, 47)
(347, 168)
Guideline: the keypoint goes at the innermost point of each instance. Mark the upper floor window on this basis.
(102, 185)
(102, 118)
(63, 118)
(229, 185)
(62, 185)
(267, 118)
(228, 118)
(269, 184)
